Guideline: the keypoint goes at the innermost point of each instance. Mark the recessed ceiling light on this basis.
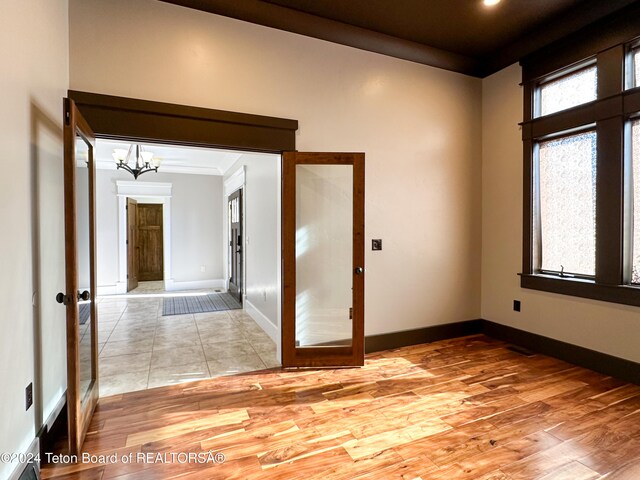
(491, 3)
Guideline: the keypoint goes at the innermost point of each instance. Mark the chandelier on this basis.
(144, 161)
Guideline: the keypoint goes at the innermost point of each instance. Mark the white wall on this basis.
(419, 127)
(34, 55)
(196, 219)
(605, 327)
(261, 203)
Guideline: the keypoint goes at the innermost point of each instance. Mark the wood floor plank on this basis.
(460, 409)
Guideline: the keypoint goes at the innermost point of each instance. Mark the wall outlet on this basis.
(202, 269)
(29, 396)
(516, 305)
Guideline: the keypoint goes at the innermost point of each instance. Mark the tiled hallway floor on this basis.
(139, 348)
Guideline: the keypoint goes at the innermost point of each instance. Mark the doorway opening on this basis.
(176, 301)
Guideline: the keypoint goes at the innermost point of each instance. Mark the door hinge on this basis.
(67, 111)
(127, 276)
(350, 313)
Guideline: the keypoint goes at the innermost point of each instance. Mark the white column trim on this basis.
(235, 181)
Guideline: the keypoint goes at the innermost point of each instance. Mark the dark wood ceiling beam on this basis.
(294, 21)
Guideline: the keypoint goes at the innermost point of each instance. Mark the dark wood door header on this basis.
(144, 120)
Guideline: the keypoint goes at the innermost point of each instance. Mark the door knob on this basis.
(62, 298)
(84, 295)
(359, 270)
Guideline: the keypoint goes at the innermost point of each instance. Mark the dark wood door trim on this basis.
(78, 417)
(144, 120)
(338, 355)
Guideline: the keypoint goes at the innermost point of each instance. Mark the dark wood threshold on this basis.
(621, 368)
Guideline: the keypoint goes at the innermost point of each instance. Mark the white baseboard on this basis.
(116, 289)
(263, 322)
(32, 452)
(107, 290)
(172, 285)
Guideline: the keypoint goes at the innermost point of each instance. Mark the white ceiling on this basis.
(173, 159)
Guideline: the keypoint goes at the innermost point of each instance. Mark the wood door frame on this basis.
(320, 356)
(78, 420)
(146, 121)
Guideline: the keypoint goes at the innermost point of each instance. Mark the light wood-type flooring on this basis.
(466, 408)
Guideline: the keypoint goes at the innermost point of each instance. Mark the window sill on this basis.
(580, 287)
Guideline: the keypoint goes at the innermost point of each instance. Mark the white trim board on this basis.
(263, 321)
(235, 181)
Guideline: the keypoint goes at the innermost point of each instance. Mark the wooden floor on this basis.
(467, 408)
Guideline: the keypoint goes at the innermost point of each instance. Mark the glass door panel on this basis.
(324, 252)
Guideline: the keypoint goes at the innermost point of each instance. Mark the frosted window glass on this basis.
(569, 91)
(636, 68)
(635, 156)
(567, 174)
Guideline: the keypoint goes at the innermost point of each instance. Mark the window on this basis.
(581, 138)
(568, 91)
(566, 200)
(635, 160)
(635, 67)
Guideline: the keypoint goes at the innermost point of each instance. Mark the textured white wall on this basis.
(196, 219)
(605, 327)
(419, 127)
(34, 55)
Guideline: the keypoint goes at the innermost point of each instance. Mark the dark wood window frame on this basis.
(608, 44)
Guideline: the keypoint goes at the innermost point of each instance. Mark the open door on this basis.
(132, 244)
(322, 259)
(235, 245)
(80, 272)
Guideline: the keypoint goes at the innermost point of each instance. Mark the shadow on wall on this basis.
(47, 225)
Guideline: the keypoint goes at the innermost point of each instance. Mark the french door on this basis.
(80, 272)
(322, 259)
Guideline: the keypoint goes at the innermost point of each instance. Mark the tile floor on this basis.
(140, 349)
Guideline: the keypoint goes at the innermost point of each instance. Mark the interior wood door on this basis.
(149, 242)
(322, 259)
(80, 272)
(132, 244)
(235, 245)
